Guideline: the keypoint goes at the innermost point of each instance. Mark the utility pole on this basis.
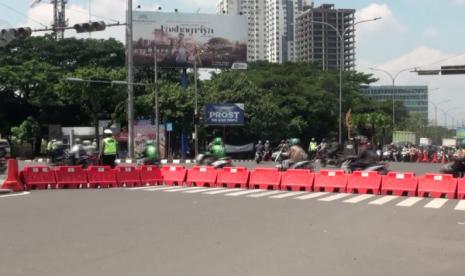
(59, 19)
(130, 59)
(155, 84)
(196, 109)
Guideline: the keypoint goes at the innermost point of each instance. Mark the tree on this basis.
(27, 132)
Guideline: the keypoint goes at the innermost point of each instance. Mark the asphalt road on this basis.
(143, 232)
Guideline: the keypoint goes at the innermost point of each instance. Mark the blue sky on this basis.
(411, 33)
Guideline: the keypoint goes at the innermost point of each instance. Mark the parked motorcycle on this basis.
(206, 159)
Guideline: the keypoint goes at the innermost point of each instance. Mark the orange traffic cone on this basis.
(425, 157)
(420, 157)
(435, 158)
(12, 181)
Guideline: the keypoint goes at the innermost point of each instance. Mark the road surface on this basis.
(179, 231)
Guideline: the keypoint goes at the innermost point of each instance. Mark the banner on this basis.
(224, 114)
(460, 133)
(179, 39)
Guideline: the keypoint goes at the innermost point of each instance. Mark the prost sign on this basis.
(224, 114)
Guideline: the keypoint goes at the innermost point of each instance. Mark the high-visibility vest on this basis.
(109, 146)
(313, 146)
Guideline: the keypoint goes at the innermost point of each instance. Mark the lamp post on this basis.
(155, 86)
(341, 62)
(130, 82)
(393, 79)
(436, 105)
(446, 113)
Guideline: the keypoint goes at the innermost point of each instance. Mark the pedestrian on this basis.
(108, 148)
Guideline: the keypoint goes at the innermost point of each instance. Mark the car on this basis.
(5, 149)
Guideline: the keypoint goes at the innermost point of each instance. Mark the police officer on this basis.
(312, 148)
(108, 148)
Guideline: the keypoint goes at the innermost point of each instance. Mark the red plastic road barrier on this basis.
(71, 177)
(461, 188)
(101, 177)
(12, 181)
(127, 176)
(201, 176)
(364, 183)
(297, 180)
(265, 178)
(233, 178)
(39, 177)
(331, 181)
(437, 185)
(151, 175)
(173, 175)
(399, 184)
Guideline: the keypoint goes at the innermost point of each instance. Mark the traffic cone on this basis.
(420, 157)
(12, 181)
(435, 158)
(425, 157)
(444, 160)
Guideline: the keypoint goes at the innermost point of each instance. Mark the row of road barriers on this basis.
(335, 181)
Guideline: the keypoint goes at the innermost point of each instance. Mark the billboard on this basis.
(180, 39)
(224, 114)
(460, 133)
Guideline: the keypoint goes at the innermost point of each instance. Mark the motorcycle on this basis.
(84, 160)
(455, 168)
(302, 165)
(350, 165)
(207, 159)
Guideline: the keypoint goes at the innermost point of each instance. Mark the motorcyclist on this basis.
(150, 154)
(217, 148)
(76, 152)
(259, 147)
(296, 153)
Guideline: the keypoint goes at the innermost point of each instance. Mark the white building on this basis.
(271, 26)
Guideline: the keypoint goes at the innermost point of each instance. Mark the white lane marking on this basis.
(181, 190)
(265, 194)
(164, 188)
(224, 190)
(409, 202)
(312, 195)
(460, 206)
(383, 200)
(202, 190)
(289, 194)
(243, 193)
(436, 203)
(334, 197)
(461, 223)
(358, 199)
(18, 194)
(143, 188)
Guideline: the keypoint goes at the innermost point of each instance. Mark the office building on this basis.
(414, 98)
(318, 42)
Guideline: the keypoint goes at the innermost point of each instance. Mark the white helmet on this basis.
(108, 132)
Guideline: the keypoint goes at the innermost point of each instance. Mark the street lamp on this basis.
(393, 78)
(446, 113)
(341, 61)
(130, 78)
(436, 105)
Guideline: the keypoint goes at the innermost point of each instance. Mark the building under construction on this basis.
(319, 42)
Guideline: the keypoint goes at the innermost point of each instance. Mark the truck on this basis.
(404, 137)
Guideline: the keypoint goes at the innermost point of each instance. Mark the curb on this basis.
(4, 191)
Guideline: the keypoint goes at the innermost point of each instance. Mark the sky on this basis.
(411, 33)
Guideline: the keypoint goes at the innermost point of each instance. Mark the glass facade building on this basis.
(414, 98)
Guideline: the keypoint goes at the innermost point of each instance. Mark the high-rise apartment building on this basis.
(271, 26)
(316, 41)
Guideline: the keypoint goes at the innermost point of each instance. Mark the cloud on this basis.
(457, 2)
(448, 87)
(388, 23)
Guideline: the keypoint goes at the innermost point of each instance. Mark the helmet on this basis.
(77, 140)
(313, 139)
(217, 141)
(267, 141)
(149, 142)
(295, 141)
(259, 141)
(108, 132)
(86, 143)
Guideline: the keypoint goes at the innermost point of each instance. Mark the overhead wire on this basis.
(23, 14)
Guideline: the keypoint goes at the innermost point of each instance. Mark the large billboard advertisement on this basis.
(224, 114)
(180, 39)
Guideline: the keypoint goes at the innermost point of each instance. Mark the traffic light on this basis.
(90, 27)
(8, 35)
(453, 70)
